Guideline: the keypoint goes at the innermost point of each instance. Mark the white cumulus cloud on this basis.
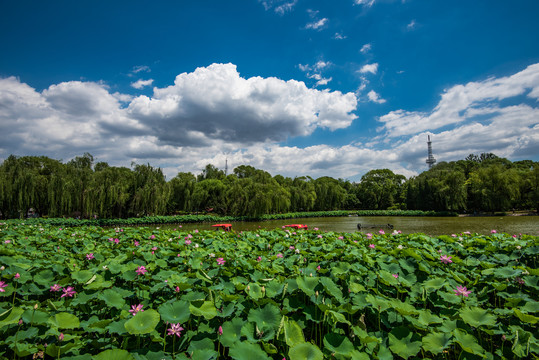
(139, 84)
(369, 68)
(375, 97)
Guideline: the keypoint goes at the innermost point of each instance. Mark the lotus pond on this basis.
(141, 293)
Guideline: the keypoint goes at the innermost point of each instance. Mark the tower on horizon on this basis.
(430, 158)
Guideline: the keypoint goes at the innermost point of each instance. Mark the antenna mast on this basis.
(430, 158)
(226, 167)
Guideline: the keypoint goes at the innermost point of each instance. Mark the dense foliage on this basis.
(80, 188)
(182, 219)
(138, 293)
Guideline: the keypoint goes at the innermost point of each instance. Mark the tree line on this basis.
(82, 188)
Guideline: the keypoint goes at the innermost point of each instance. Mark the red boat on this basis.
(225, 227)
(297, 226)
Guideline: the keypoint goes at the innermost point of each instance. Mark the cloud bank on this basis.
(213, 114)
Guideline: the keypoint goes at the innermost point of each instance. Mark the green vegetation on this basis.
(182, 219)
(138, 293)
(80, 188)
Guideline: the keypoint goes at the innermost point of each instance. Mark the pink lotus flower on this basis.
(381, 232)
(90, 256)
(141, 270)
(315, 228)
(220, 331)
(372, 246)
(136, 308)
(17, 275)
(369, 236)
(175, 329)
(177, 289)
(493, 231)
(396, 276)
(69, 291)
(259, 259)
(137, 243)
(279, 255)
(61, 337)
(446, 259)
(187, 242)
(116, 241)
(154, 248)
(152, 237)
(320, 236)
(2, 286)
(318, 267)
(340, 237)
(462, 291)
(221, 261)
(291, 248)
(55, 287)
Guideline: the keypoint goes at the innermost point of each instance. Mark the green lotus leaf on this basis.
(117, 327)
(388, 277)
(143, 322)
(11, 316)
(116, 354)
(274, 288)
(207, 310)
(255, 291)
(338, 344)
(364, 336)
(65, 320)
(265, 318)
(82, 276)
(400, 342)
(112, 298)
(384, 353)
(247, 351)
(434, 283)
(97, 282)
(202, 349)
(531, 307)
(44, 277)
(525, 317)
(175, 312)
(231, 332)
(331, 288)
(402, 307)
(356, 355)
(378, 302)
(476, 317)
(307, 284)
(426, 318)
(305, 351)
(468, 342)
(293, 333)
(56, 351)
(436, 342)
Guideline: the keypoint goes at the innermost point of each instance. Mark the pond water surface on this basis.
(406, 224)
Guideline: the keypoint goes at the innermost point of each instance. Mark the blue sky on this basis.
(294, 87)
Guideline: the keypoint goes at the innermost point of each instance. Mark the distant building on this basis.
(430, 158)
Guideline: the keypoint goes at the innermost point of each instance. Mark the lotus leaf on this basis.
(436, 342)
(247, 351)
(11, 316)
(265, 318)
(116, 354)
(175, 312)
(305, 351)
(332, 288)
(338, 344)
(112, 298)
(65, 320)
(206, 309)
(143, 322)
(293, 333)
(525, 317)
(231, 332)
(401, 342)
(476, 317)
(468, 342)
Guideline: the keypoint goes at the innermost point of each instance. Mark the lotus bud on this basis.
(248, 287)
(263, 289)
(316, 293)
(36, 306)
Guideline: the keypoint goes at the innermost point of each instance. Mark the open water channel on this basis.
(406, 224)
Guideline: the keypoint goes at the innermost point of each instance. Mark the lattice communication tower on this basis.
(430, 158)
